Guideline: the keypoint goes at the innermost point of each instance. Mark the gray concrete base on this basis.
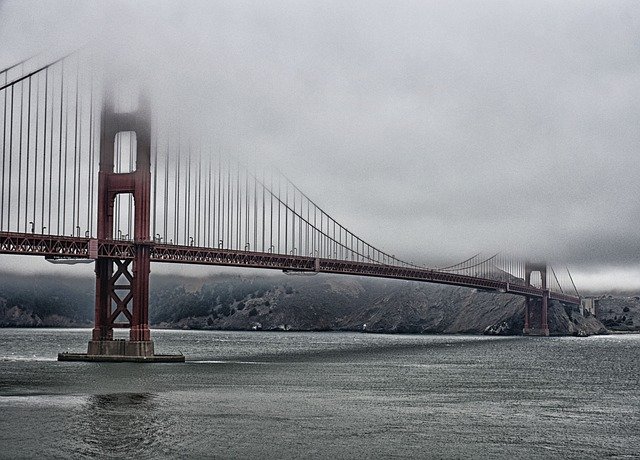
(119, 351)
(120, 348)
(536, 332)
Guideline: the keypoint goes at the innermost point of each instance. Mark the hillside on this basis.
(322, 302)
(34, 301)
(619, 313)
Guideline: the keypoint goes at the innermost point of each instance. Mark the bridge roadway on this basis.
(67, 247)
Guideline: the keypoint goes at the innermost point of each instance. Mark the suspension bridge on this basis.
(83, 179)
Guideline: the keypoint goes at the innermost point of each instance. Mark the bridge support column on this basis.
(101, 329)
(535, 309)
(122, 293)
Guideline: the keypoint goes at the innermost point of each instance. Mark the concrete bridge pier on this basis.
(535, 315)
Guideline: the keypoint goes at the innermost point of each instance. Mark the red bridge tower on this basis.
(535, 310)
(122, 285)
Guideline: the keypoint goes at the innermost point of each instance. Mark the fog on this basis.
(434, 130)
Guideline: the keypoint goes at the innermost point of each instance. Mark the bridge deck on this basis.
(85, 248)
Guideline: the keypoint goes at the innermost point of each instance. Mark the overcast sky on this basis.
(434, 130)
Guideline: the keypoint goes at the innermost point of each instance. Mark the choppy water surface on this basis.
(318, 395)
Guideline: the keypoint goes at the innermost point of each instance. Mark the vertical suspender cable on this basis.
(35, 158)
(219, 225)
(199, 202)
(60, 148)
(238, 221)
(10, 160)
(218, 200)
(66, 162)
(20, 150)
(279, 202)
(91, 161)
(233, 214)
(176, 232)
(53, 97)
(75, 220)
(255, 214)
(165, 229)
(187, 196)
(246, 207)
(228, 236)
(4, 150)
(301, 249)
(263, 213)
(79, 147)
(155, 186)
(211, 212)
(44, 146)
(335, 247)
(206, 224)
(294, 233)
(271, 214)
(286, 218)
(26, 181)
(165, 192)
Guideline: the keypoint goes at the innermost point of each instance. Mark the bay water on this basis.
(323, 395)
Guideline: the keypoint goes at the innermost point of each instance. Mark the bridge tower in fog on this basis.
(535, 310)
(122, 285)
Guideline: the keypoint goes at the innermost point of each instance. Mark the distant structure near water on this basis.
(588, 306)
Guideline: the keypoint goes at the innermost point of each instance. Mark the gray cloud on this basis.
(434, 129)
